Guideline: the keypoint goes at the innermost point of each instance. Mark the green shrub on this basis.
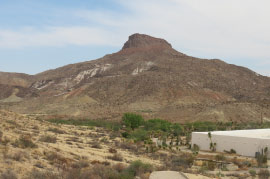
(232, 151)
(252, 173)
(125, 134)
(132, 120)
(139, 135)
(137, 168)
(204, 126)
(116, 128)
(177, 129)
(261, 158)
(157, 124)
(195, 148)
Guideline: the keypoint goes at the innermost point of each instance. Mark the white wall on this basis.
(242, 145)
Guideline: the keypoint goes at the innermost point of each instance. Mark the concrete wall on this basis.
(242, 145)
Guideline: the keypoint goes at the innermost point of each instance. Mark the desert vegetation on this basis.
(129, 148)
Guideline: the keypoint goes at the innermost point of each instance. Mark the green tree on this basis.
(177, 129)
(132, 120)
(157, 124)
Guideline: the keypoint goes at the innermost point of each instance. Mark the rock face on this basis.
(142, 41)
(146, 76)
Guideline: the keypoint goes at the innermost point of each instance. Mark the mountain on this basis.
(146, 76)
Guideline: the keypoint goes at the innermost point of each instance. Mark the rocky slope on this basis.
(146, 76)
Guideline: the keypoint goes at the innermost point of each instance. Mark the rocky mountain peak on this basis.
(147, 77)
(142, 41)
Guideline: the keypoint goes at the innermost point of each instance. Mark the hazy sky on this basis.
(36, 35)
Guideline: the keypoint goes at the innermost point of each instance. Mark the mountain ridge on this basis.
(146, 76)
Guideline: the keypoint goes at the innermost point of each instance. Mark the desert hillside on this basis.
(34, 148)
(146, 76)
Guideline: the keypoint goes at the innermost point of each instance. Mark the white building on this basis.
(244, 142)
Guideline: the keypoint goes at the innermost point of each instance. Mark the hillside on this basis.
(146, 76)
(33, 148)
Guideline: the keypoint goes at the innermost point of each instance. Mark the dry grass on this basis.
(111, 150)
(1, 135)
(96, 145)
(19, 156)
(8, 174)
(48, 139)
(56, 130)
(25, 141)
(59, 158)
(264, 174)
(116, 157)
(37, 174)
(81, 164)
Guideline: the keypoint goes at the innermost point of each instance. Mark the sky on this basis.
(37, 35)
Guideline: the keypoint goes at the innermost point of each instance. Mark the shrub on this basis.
(1, 135)
(48, 139)
(184, 160)
(246, 163)
(80, 164)
(56, 159)
(139, 135)
(264, 174)
(24, 141)
(261, 158)
(96, 145)
(128, 146)
(111, 150)
(88, 122)
(132, 120)
(203, 126)
(252, 173)
(5, 151)
(51, 155)
(8, 174)
(138, 168)
(115, 128)
(176, 129)
(116, 157)
(220, 157)
(158, 124)
(211, 165)
(119, 167)
(19, 156)
(195, 148)
(98, 171)
(125, 134)
(56, 130)
(232, 151)
(36, 174)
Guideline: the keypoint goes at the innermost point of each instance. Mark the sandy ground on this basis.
(167, 175)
